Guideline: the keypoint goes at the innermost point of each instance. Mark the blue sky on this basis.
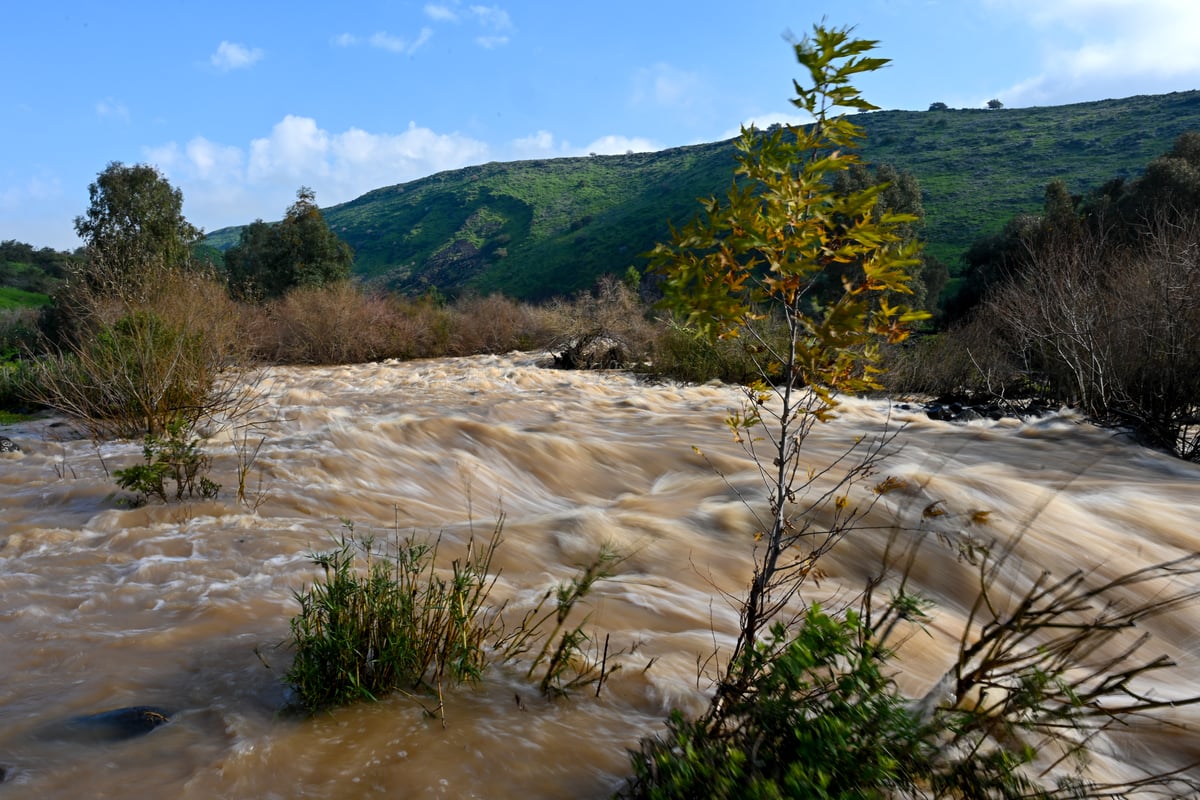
(239, 104)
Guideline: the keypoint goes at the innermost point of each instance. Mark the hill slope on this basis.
(533, 229)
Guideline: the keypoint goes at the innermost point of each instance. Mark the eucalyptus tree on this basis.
(133, 229)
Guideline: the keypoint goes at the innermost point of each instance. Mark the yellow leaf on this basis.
(890, 484)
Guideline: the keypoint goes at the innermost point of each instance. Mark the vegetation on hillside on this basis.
(1092, 303)
(535, 229)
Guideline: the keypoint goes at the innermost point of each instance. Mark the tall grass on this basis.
(399, 624)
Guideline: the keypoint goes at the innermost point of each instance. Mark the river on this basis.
(186, 606)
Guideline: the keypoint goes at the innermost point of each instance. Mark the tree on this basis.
(762, 251)
(994, 104)
(939, 106)
(804, 706)
(1170, 184)
(270, 260)
(145, 338)
(1113, 328)
(133, 228)
(900, 194)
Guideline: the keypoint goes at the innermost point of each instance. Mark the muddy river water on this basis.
(185, 606)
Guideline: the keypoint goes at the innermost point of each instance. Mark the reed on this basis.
(570, 656)
(398, 624)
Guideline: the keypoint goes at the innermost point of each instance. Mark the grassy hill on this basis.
(533, 229)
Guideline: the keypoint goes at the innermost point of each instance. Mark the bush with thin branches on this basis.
(132, 367)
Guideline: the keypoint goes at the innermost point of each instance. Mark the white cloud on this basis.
(666, 86)
(492, 17)
(396, 44)
(199, 158)
(495, 21)
(35, 189)
(231, 55)
(382, 40)
(615, 145)
(295, 149)
(229, 185)
(108, 108)
(441, 13)
(543, 144)
(539, 145)
(1118, 46)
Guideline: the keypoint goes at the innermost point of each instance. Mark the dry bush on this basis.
(494, 324)
(420, 329)
(341, 323)
(682, 354)
(134, 366)
(331, 324)
(1115, 329)
(613, 314)
(972, 358)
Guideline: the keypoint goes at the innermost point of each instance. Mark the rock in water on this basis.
(7, 445)
(115, 725)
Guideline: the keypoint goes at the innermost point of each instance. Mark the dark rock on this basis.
(938, 412)
(592, 351)
(948, 410)
(8, 445)
(115, 725)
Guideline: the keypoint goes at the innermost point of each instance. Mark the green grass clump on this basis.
(398, 623)
(820, 719)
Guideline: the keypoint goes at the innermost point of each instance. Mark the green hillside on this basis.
(533, 229)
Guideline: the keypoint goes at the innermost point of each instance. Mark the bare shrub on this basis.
(1115, 329)
(494, 324)
(612, 314)
(330, 324)
(420, 328)
(974, 357)
(134, 366)
(680, 354)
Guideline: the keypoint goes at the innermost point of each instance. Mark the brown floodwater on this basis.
(186, 606)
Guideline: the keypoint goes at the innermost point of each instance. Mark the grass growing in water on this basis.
(398, 625)
(385, 618)
(567, 655)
